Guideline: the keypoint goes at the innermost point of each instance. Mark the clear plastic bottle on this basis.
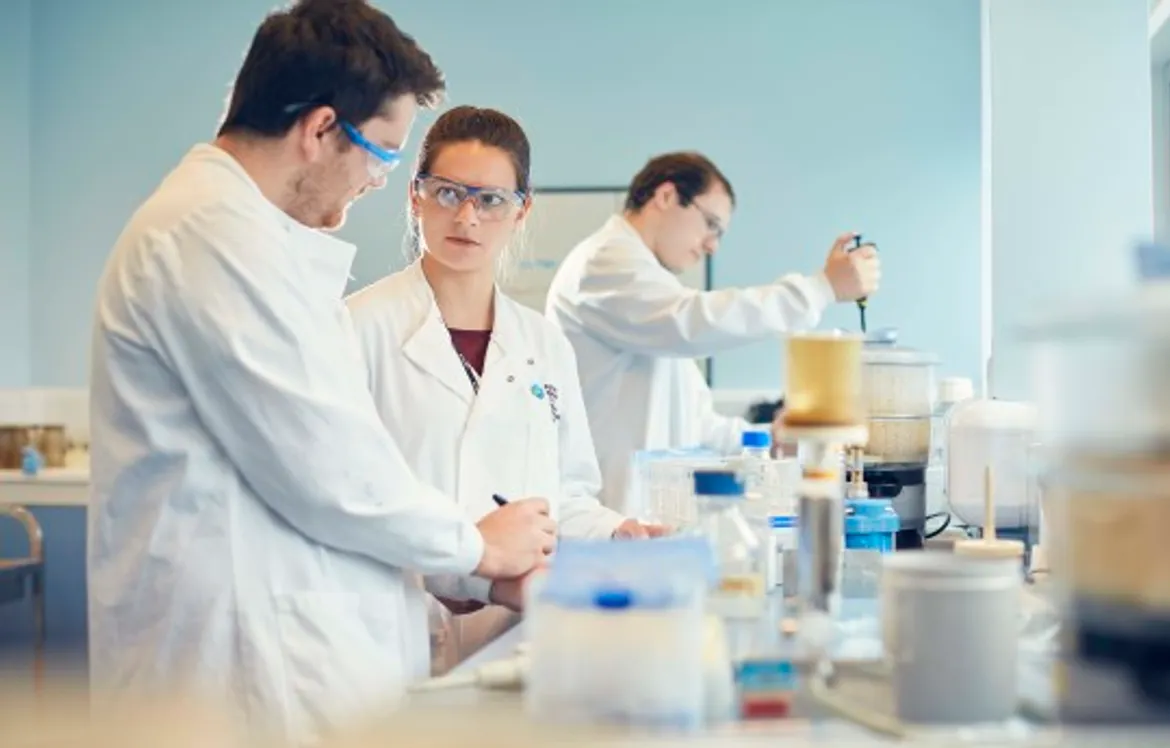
(756, 454)
(755, 463)
(719, 495)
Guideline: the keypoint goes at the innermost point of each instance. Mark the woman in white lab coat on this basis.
(480, 392)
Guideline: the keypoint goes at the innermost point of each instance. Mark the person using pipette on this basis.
(636, 328)
(476, 388)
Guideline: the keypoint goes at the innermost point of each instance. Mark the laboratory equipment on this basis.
(899, 388)
(770, 501)
(1102, 384)
(989, 545)
(870, 524)
(824, 416)
(663, 484)
(863, 302)
(950, 630)
(766, 687)
(741, 590)
(634, 609)
(951, 391)
(904, 485)
(1002, 435)
(898, 382)
(824, 380)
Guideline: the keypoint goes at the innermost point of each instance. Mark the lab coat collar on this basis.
(617, 224)
(429, 345)
(330, 259)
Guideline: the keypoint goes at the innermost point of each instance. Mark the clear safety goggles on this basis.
(491, 203)
(380, 161)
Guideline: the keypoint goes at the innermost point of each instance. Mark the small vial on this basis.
(719, 495)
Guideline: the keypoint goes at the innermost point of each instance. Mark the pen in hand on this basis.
(500, 500)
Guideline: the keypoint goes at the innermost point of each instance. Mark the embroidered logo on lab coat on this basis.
(551, 392)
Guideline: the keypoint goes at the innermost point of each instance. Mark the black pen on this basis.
(500, 500)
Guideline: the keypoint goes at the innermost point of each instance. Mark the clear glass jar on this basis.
(719, 496)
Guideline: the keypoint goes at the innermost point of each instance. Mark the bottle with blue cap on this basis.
(754, 465)
(740, 591)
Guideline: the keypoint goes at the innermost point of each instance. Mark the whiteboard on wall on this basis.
(561, 218)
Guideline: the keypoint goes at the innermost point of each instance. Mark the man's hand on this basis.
(780, 448)
(632, 529)
(516, 538)
(510, 592)
(852, 274)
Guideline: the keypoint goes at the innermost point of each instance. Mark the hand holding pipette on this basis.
(853, 269)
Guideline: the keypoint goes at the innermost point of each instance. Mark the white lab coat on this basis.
(254, 528)
(524, 434)
(637, 329)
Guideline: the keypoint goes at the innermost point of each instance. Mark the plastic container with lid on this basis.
(871, 524)
(898, 381)
(741, 590)
(1002, 435)
(899, 392)
(635, 608)
(662, 484)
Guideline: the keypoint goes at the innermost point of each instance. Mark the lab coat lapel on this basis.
(429, 346)
(509, 366)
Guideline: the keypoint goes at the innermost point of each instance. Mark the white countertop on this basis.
(50, 487)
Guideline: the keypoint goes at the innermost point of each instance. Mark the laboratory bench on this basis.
(860, 681)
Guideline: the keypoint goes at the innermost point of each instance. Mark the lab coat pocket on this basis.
(343, 655)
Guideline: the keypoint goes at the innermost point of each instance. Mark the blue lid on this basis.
(782, 521)
(864, 516)
(756, 439)
(718, 483)
(612, 599)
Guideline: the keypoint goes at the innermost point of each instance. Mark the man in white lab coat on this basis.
(636, 328)
(254, 529)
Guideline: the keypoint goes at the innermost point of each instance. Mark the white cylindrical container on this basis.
(1001, 435)
(897, 381)
(950, 629)
(899, 391)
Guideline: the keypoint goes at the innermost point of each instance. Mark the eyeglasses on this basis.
(491, 203)
(713, 224)
(381, 161)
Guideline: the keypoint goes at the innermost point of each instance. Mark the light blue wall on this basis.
(15, 59)
(1070, 172)
(828, 115)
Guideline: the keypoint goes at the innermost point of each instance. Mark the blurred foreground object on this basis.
(60, 717)
(1103, 388)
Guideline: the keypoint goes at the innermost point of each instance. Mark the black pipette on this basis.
(863, 301)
